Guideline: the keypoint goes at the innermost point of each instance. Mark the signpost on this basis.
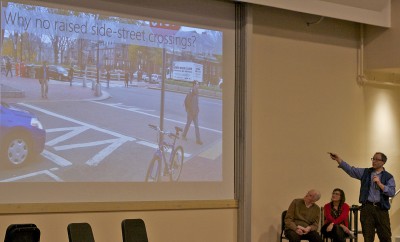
(170, 30)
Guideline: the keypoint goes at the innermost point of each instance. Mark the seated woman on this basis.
(336, 215)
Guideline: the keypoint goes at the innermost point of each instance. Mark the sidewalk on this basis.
(17, 89)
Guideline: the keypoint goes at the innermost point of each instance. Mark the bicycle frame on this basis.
(164, 146)
(171, 166)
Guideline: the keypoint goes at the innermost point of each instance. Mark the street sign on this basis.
(164, 28)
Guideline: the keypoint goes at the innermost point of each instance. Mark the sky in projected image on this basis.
(131, 73)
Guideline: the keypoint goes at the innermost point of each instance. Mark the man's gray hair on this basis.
(317, 195)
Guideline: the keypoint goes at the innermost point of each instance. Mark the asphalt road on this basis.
(106, 138)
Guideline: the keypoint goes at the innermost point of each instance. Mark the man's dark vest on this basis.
(366, 183)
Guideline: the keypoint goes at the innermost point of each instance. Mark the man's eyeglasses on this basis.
(376, 159)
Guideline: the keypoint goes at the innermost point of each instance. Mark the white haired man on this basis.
(302, 218)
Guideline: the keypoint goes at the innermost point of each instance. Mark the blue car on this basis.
(22, 136)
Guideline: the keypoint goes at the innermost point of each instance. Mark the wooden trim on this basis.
(85, 207)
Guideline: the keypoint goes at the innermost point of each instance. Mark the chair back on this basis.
(283, 215)
(283, 220)
(134, 230)
(22, 233)
(80, 232)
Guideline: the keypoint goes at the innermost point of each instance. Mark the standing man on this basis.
(192, 110)
(108, 77)
(127, 78)
(377, 185)
(71, 75)
(302, 218)
(8, 68)
(43, 80)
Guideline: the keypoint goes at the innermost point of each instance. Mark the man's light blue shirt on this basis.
(374, 191)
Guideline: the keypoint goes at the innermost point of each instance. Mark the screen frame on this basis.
(71, 206)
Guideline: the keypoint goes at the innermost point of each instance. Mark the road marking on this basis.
(56, 159)
(155, 146)
(44, 172)
(77, 121)
(213, 152)
(126, 107)
(74, 132)
(97, 158)
(82, 145)
(141, 111)
(148, 144)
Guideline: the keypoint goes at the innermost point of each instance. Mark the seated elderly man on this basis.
(302, 218)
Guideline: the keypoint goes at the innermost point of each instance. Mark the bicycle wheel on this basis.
(176, 163)
(154, 170)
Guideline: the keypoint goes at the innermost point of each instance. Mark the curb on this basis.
(10, 92)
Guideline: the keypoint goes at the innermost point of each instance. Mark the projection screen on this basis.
(93, 76)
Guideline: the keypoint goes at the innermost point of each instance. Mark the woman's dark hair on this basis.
(342, 196)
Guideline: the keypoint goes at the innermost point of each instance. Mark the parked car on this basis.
(140, 76)
(221, 83)
(145, 77)
(155, 78)
(135, 75)
(22, 136)
(58, 73)
(31, 70)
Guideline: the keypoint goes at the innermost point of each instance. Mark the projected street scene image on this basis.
(87, 97)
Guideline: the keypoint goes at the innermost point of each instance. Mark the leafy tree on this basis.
(8, 49)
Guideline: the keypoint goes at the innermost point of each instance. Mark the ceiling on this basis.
(372, 12)
(374, 5)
